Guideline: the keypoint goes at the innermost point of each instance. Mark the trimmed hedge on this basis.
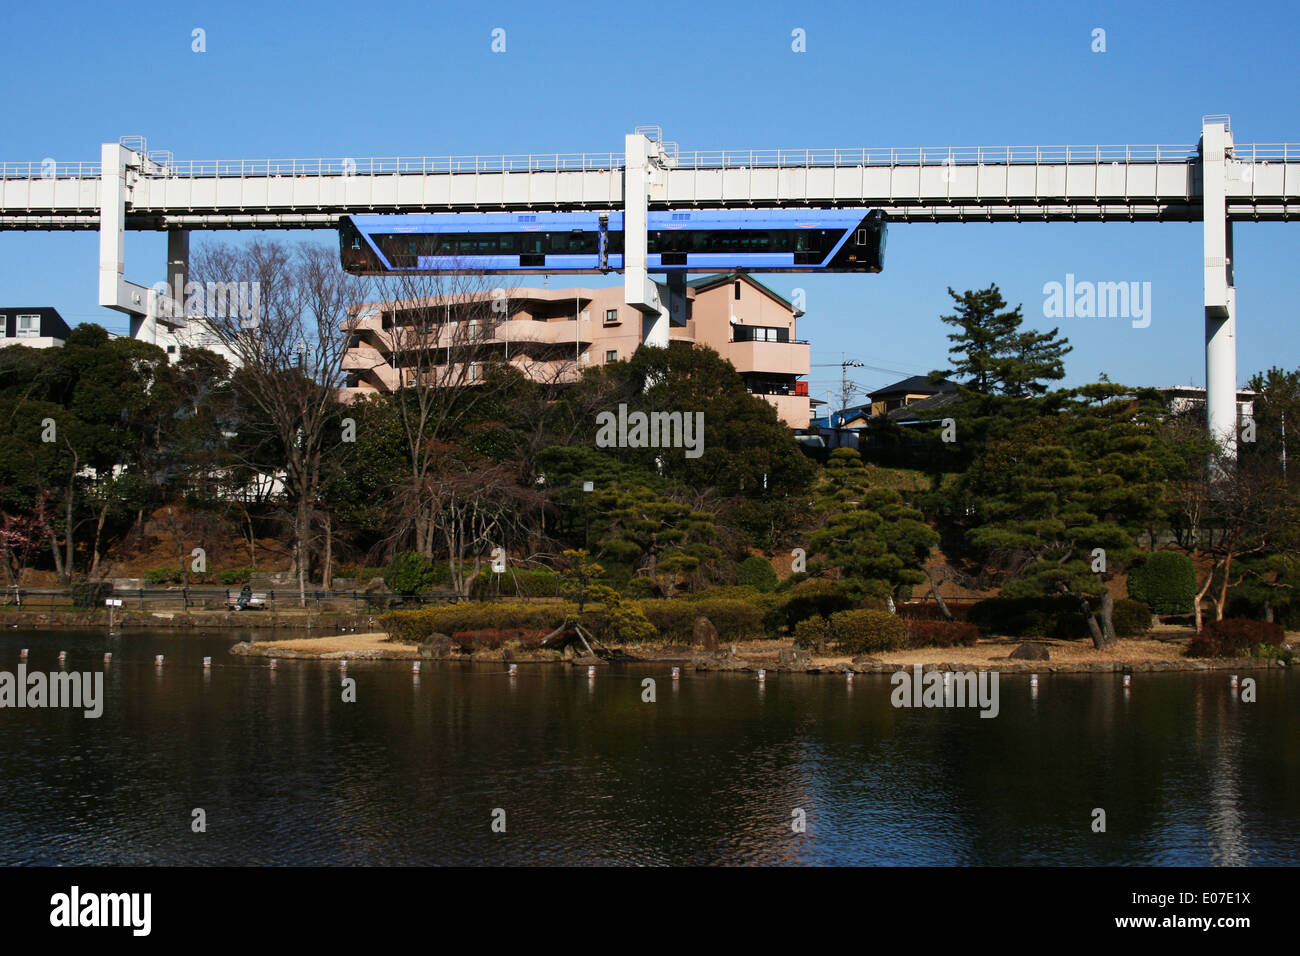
(922, 633)
(733, 618)
(233, 576)
(1165, 581)
(1235, 637)
(811, 633)
(757, 573)
(930, 611)
(1130, 618)
(814, 597)
(415, 626)
(526, 582)
(866, 631)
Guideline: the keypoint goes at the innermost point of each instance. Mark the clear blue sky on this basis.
(402, 78)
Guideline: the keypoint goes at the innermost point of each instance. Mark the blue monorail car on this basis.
(709, 240)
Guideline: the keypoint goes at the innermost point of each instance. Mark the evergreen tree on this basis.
(991, 352)
(876, 542)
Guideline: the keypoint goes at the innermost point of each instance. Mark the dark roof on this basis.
(913, 412)
(708, 282)
(917, 384)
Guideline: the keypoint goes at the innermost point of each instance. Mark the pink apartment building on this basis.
(553, 334)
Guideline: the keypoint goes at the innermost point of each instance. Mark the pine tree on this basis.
(991, 353)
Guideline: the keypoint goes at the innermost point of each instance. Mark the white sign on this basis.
(113, 602)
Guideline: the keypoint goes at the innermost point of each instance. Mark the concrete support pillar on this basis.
(638, 290)
(1220, 295)
(178, 260)
(114, 291)
(178, 273)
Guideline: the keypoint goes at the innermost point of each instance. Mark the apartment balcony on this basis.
(794, 410)
(360, 358)
(563, 332)
(775, 358)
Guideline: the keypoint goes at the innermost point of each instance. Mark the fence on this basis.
(218, 599)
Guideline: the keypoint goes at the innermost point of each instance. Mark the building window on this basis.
(758, 333)
(171, 350)
(611, 316)
(586, 316)
(736, 287)
(611, 355)
(29, 326)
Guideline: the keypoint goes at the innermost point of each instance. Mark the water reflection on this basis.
(588, 772)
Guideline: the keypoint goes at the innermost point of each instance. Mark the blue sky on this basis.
(400, 78)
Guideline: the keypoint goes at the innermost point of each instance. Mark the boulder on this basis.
(1030, 651)
(437, 647)
(704, 634)
(794, 655)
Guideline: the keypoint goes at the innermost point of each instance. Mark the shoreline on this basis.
(765, 655)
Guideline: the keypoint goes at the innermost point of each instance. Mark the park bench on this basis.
(256, 602)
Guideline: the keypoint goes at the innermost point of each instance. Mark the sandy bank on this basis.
(1066, 656)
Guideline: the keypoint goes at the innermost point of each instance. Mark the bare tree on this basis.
(1223, 512)
(288, 339)
(440, 343)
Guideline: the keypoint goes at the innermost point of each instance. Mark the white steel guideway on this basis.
(1216, 182)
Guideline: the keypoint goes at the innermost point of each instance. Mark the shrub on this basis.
(734, 619)
(158, 576)
(757, 573)
(813, 597)
(90, 594)
(524, 582)
(638, 588)
(418, 625)
(234, 576)
(811, 633)
(674, 620)
(623, 622)
(1059, 617)
(1275, 652)
(410, 572)
(736, 592)
(922, 633)
(929, 611)
(1234, 637)
(1165, 581)
(866, 631)
(1130, 618)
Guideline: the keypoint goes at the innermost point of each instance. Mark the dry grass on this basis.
(343, 643)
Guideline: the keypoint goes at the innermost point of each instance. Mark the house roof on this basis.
(708, 282)
(917, 384)
(913, 412)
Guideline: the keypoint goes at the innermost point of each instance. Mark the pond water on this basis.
(587, 772)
